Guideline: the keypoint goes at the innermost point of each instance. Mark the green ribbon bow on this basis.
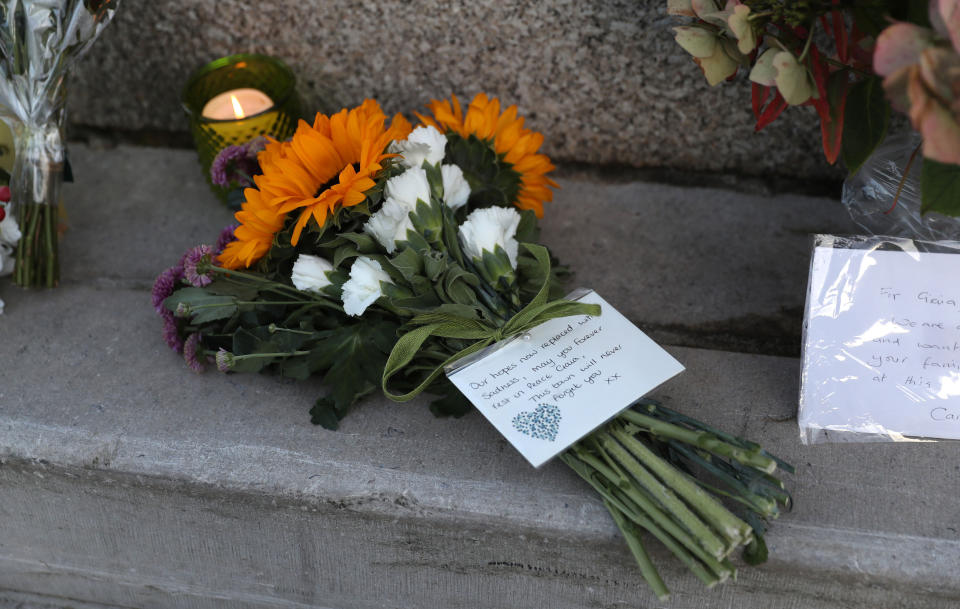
(445, 325)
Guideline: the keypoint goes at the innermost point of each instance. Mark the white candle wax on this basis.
(237, 104)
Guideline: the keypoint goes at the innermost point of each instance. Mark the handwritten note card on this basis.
(566, 377)
(882, 346)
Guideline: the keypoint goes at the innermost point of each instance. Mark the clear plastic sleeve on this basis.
(870, 194)
(39, 41)
(881, 341)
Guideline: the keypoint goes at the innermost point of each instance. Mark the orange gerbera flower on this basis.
(325, 166)
(516, 145)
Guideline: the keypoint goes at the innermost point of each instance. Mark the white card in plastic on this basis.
(550, 387)
(882, 346)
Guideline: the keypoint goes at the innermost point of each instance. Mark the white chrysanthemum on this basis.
(310, 273)
(485, 229)
(9, 231)
(456, 191)
(363, 287)
(409, 186)
(390, 224)
(423, 144)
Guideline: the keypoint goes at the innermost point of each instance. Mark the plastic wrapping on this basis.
(39, 41)
(870, 195)
(881, 341)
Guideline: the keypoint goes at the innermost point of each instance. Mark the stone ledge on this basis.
(129, 481)
(605, 82)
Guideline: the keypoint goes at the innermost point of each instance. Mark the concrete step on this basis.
(128, 481)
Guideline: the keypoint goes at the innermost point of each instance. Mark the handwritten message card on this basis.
(563, 379)
(882, 348)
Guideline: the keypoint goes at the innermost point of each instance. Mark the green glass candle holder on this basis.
(243, 71)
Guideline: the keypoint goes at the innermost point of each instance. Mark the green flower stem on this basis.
(228, 273)
(593, 478)
(707, 538)
(634, 500)
(274, 328)
(700, 439)
(632, 535)
(710, 573)
(261, 355)
(763, 505)
(731, 527)
(707, 568)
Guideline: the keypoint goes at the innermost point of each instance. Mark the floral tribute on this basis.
(9, 235)
(373, 254)
(850, 61)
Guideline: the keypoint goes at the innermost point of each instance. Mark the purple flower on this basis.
(226, 236)
(164, 286)
(224, 360)
(170, 332)
(237, 164)
(190, 352)
(194, 263)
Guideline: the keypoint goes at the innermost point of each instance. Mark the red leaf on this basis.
(772, 111)
(759, 97)
(820, 73)
(840, 35)
(831, 111)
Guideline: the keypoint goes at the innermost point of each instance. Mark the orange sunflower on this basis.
(516, 145)
(325, 166)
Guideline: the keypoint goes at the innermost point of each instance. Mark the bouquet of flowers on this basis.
(39, 41)
(375, 255)
(869, 56)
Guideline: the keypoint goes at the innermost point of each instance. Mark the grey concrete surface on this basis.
(128, 481)
(603, 80)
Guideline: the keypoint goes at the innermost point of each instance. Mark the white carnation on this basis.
(390, 224)
(485, 229)
(423, 144)
(456, 191)
(408, 187)
(310, 273)
(363, 287)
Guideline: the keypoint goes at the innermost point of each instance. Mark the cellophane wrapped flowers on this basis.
(39, 41)
(374, 254)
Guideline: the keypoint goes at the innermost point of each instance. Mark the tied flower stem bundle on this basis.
(423, 252)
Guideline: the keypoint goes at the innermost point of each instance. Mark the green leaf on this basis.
(241, 291)
(453, 404)
(755, 553)
(324, 413)
(528, 231)
(353, 357)
(364, 242)
(208, 307)
(408, 262)
(345, 252)
(865, 122)
(940, 188)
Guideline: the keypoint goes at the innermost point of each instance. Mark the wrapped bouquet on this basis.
(375, 255)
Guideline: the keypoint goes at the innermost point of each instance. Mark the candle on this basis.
(237, 104)
(234, 99)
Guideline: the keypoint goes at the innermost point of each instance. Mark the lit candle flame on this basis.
(237, 108)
